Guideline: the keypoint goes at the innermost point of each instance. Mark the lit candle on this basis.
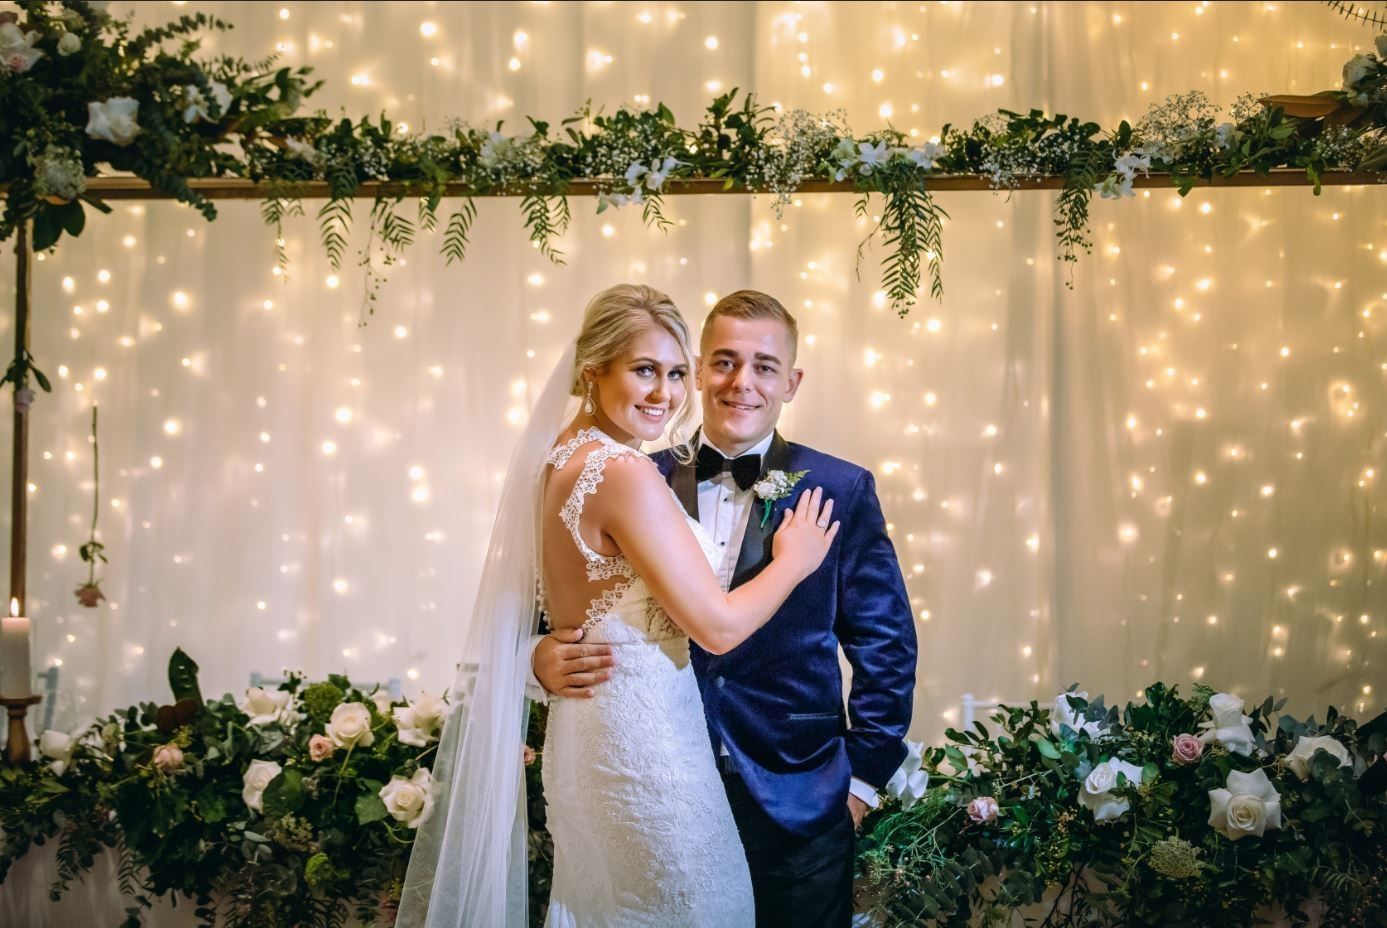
(15, 674)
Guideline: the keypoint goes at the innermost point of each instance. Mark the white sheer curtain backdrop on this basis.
(1172, 471)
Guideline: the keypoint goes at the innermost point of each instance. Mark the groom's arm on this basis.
(877, 632)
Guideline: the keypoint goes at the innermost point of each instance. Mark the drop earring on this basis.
(588, 407)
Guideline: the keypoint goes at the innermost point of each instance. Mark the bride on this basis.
(643, 834)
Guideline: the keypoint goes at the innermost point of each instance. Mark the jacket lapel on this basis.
(756, 543)
(685, 484)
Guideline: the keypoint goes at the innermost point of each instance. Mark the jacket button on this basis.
(720, 682)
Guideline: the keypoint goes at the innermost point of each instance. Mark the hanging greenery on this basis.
(89, 594)
(80, 89)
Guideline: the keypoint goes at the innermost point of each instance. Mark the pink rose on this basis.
(529, 755)
(21, 60)
(983, 810)
(320, 748)
(168, 757)
(1186, 749)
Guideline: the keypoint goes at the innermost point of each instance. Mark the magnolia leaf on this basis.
(183, 677)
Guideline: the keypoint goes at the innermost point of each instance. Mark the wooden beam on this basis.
(232, 188)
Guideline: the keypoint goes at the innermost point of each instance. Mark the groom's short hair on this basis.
(753, 304)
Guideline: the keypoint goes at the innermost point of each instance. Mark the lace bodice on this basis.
(629, 592)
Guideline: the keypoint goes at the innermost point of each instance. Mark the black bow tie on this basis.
(746, 469)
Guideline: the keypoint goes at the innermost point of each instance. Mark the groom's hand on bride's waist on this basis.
(566, 667)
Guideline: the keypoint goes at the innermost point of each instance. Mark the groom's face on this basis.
(746, 373)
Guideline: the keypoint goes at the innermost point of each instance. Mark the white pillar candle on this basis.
(16, 676)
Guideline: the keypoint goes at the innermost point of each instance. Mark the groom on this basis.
(799, 774)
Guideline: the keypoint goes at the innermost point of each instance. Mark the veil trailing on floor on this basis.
(468, 867)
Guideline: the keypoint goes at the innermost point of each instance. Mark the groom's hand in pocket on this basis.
(567, 667)
(859, 811)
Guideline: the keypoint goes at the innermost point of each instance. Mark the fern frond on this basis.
(455, 239)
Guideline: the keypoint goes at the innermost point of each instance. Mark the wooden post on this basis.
(17, 749)
(19, 484)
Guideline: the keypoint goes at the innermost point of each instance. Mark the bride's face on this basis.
(640, 391)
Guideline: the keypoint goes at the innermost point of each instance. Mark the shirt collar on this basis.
(761, 447)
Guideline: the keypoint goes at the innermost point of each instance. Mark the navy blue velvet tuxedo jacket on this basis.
(775, 701)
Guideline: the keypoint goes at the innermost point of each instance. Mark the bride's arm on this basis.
(636, 510)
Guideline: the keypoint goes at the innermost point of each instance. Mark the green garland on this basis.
(1172, 811)
(79, 89)
(280, 810)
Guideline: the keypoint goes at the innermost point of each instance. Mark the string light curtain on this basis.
(1172, 471)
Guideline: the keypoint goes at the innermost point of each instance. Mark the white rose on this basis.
(114, 120)
(350, 725)
(1357, 68)
(17, 50)
(420, 721)
(69, 44)
(265, 707)
(409, 801)
(1064, 714)
(1097, 796)
(909, 782)
(57, 747)
(1248, 806)
(258, 776)
(1299, 758)
(1229, 726)
(198, 108)
(382, 700)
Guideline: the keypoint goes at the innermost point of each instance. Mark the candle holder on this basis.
(17, 749)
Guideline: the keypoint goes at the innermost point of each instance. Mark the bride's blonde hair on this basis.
(611, 320)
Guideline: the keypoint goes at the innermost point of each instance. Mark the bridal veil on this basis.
(468, 867)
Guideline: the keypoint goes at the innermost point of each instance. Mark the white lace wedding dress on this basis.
(643, 835)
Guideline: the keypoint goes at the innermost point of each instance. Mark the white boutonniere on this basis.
(774, 485)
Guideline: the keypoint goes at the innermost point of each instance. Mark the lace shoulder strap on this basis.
(599, 566)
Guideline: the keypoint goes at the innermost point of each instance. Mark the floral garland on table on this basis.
(297, 806)
(1187, 811)
(294, 806)
(79, 88)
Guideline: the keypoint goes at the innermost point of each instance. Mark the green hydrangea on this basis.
(319, 699)
(1176, 858)
(320, 874)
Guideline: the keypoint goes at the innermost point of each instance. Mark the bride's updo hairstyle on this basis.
(611, 320)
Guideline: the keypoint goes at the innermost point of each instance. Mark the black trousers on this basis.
(798, 882)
